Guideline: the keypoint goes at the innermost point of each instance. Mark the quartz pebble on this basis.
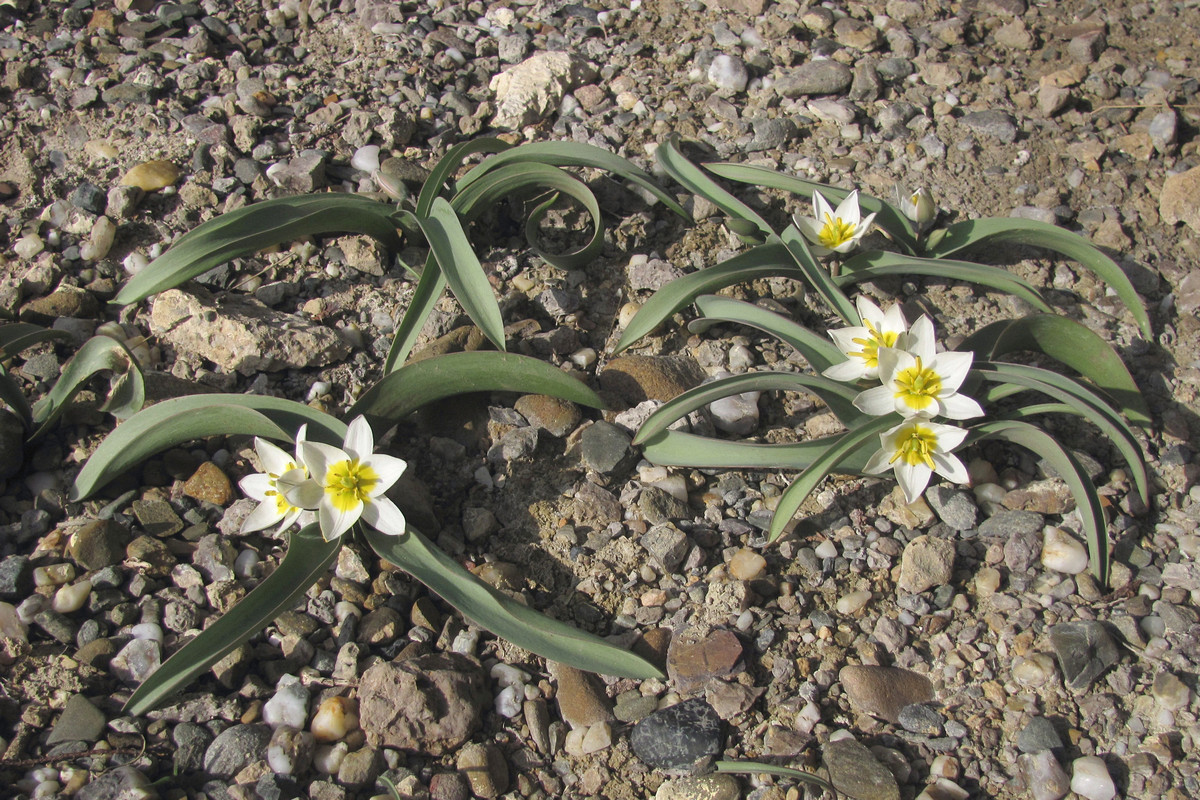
(71, 598)
(747, 565)
(335, 717)
(1090, 779)
(151, 176)
(1061, 552)
(288, 706)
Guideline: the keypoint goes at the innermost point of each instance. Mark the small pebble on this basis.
(335, 717)
(1090, 779)
(71, 598)
(1061, 552)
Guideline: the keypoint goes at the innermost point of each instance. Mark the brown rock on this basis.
(927, 562)
(635, 379)
(1049, 496)
(697, 656)
(883, 691)
(556, 416)
(595, 507)
(210, 484)
(429, 703)
(1179, 200)
(65, 301)
(855, 772)
(653, 646)
(582, 701)
(486, 769)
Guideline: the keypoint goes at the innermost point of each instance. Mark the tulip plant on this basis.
(336, 481)
(885, 381)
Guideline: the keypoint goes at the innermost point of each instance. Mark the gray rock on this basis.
(558, 302)
(486, 769)
(953, 506)
(1179, 200)
(516, 444)
(16, 578)
(1084, 651)
(360, 768)
(595, 507)
(430, 703)
(129, 93)
(136, 661)
(654, 273)
(1007, 522)
(1021, 551)
(603, 446)
(658, 507)
(678, 736)
(856, 773)
(242, 335)
(122, 783)
(533, 89)
(771, 134)
(191, 742)
(920, 718)
(234, 748)
(992, 122)
(300, 175)
(1176, 618)
(815, 78)
(1163, 130)
(1038, 735)
(98, 544)
(80, 721)
(667, 545)
(927, 562)
(12, 445)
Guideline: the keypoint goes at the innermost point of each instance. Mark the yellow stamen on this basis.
(835, 232)
(871, 343)
(918, 386)
(349, 484)
(915, 445)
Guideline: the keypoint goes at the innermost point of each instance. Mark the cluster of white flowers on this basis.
(337, 486)
(916, 382)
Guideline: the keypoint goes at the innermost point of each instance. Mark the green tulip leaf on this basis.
(449, 164)
(678, 449)
(14, 398)
(424, 302)
(308, 557)
(18, 336)
(759, 768)
(818, 276)
(503, 616)
(98, 354)
(694, 179)
(819, 351)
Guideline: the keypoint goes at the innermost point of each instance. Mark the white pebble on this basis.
(508, 675)
(840, 734)
(674, 485)
(508, 702)
(465, 643)
(944, 766)
(100, 241)
(327, 759)
(737, 414)
(29, 246)
(344, 609)
(366, 158)
(728, 72)
(1034, 670)
(288, 706)
(597, 738)
(71, 598)
(54, 575)
(135, 262)
(583, 357)
(826, 549)
(627, 313)
(317, 389)
(244, 564)
(335, 717)
(944, 790)
(30, 607)
(808, 717)
(1090, 779)
(11, 626)
(853, 602)
(1062, 553)
(573, 744)
(147, 630)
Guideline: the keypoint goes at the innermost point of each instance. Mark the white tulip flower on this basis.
(281, 474)
(833, 231)
(861, 344)
(919, 207)
(916, 449)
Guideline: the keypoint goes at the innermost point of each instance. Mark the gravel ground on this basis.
(935, 650)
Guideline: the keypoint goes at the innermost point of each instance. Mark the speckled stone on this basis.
(677, 736)
(856, 773)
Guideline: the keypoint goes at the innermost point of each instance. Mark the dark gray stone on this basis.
(678, 736)
(658, 507)
(80, 721)
(953, 507)
(1038, 735)
(191, 742)
(12, 444)
(90, 198)
(1008, 523)
(1084, 651)
(16, 578)
(603, 446)
(770, 134)
(667, 545)
(994, 123)
(122, 783)
(920, 718)
(129, 93)
(236, 747)
(856, 773)
(815, 78)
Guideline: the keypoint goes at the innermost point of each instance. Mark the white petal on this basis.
(819, 251)
(289, 519)
(821, 207)
(893, 319)
(256, 486)
(868, 311)
(383, 515)
(848, 210)
(811, 230)
(912, 479)
(318, 457)
(844, 338)
(951, 468)
(273, 460)
(360, 442)
(959, 406)
(921, 342)
(891, 361)
(948, 436)
(388, 468)
(864, 225)
(335, 522)
(847, 371)
(263, 516)
(876, 402)
(880, 461)
(306, 494)
(952, 367)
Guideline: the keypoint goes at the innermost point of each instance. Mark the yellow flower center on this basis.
(915, 445)
(835, 232)
(918, 386)
(871, 343)
(349, 484)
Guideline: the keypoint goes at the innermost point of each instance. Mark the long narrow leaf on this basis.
(819, 351)
(860, 440)
(97, 354)
(576, 154)
(252, 228)
(308, 557)
(764, 261)
(1071, 343)
(1087, 500)
(838, 396)
(11, 395)
(18, 336)
(417, 384)
(975, 232)
(678, 449)
(759, 768)
(449, 164)
(424, 301)
(182, 419)
(525, 180)
(503, 616)
(694, 179)
(1084, 402)
(887, 216)
(818, 276)
(462, 269)
(876, 264)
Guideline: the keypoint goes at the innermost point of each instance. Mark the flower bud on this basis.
(919, 207)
